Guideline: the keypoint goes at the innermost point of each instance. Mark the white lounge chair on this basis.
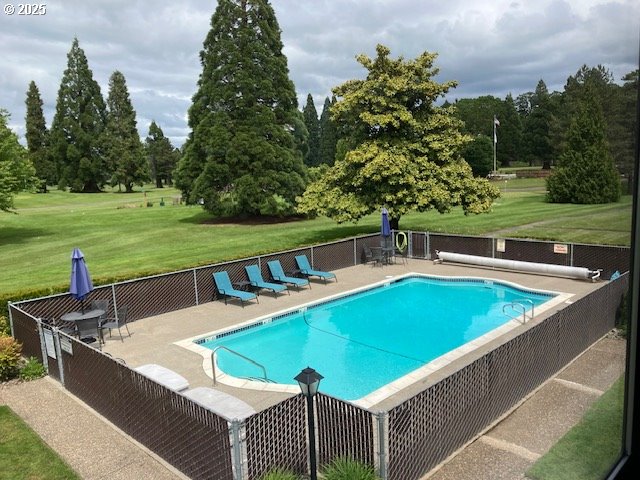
(220, 403)
(163, 376)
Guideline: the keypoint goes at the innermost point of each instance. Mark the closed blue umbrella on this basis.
(81, 283)
(386, 228)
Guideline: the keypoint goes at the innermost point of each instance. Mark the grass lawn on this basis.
(590, 448)
(123, 238)
(23, 455)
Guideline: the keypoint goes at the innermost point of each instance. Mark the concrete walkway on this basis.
(97, 450)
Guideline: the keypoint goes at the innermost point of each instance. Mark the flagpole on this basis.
(495, 167)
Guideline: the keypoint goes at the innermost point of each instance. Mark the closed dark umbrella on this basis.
(81, 283)
(386, 228)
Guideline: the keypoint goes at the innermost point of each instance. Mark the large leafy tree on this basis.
(16, 171)
(403, 150)
(37, 137)
(241, 156)
(122, 145)
(78, 126)
(312, 123)
(161, 155)
(585, 173)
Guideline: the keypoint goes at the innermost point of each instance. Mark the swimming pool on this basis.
(370, 338)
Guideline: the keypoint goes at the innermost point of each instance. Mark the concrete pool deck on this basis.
(153, 339)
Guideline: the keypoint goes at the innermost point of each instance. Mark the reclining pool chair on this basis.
(308, 271)
(277, 273)
(225, 288)
(255, 277)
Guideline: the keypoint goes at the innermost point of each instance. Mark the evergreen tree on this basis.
(622, 125)
(240, 157)
(328, 134)
(536, 138)
(122, 145)
(37, 138)
(78, 126)
(585, 173)
(404, 151)
(161, 155)
(16, 171)
(312, 158)
(479, 155)
(510, 134)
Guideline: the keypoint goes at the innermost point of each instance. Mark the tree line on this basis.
(388, 140)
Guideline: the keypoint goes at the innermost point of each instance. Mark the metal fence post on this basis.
(427, 246)
(236, 453)
(43, 349)
(355, 254)
(195, 285)
(382, 444)
(312, 264)
(56, 342)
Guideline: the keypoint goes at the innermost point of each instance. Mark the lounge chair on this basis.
(220, 403)
(225, 288)
(277, 273)
(163, 376)
(308, 271)
(256, 280)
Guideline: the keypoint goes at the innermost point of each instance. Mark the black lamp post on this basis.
(309, 380)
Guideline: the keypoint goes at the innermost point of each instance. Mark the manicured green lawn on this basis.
(123, 238)
(23, 455)
(591, 447)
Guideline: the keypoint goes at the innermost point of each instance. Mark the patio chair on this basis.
(88, 331)
(101, 305)
(225, 288)
(255, 277)
(220, 403)
(119, 321)
(307, 270)
(277, 273)
(372, 256)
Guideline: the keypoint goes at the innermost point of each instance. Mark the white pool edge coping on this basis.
(393, 387)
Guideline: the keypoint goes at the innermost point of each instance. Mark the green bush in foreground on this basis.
(344, 468)
(32, 369)
(9, 357)
(280, 474)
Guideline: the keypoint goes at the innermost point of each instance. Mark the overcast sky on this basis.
(491, 47)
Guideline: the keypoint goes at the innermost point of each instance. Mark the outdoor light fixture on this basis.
(309, 380)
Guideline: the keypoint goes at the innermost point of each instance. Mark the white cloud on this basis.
(489, 47)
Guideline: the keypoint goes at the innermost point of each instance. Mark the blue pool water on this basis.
(366, 340)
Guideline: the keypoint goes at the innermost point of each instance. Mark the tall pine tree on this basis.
(123, 148)
(37, 137)
(585, 173)
(240, 157)
(312, 158)
(78, 126)
(537, 141)
(328, 133)
(161, 156)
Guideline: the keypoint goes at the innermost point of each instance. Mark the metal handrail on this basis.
(513, 305)
(528, 300)
(213, 362)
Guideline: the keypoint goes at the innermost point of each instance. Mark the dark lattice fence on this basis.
(343, 430)
(460, 244)
(428, 428)
(277, 437)
(190, 437)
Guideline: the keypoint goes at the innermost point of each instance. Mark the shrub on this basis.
(5, 328)
(344, 468)
(280, 474)
(31, 369)
(9, 357)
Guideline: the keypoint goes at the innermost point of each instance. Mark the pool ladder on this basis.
(516, 304)
(213, 364)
